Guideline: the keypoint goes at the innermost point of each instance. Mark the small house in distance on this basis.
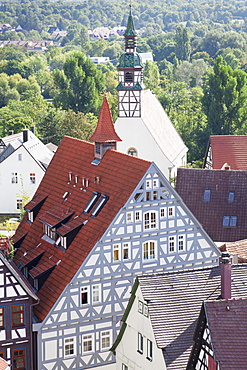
(226, 151)
(23, 162)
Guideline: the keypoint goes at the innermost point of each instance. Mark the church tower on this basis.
(130, 76)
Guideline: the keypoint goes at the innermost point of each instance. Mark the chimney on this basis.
(11, 132)
(226, 276)
(25, 135)
(32, 129)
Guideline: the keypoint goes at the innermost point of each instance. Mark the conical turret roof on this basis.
(105, 131)
(130, 30)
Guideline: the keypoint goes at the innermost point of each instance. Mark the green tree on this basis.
(79, 85)
(182, 43)
(224, 99)
(151, 75)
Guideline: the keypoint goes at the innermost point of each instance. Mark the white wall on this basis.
(10, 192)
(126, 351)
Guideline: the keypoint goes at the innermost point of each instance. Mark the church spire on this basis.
(104, 136)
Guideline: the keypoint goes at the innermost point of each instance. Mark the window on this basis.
(170, 211)
(14, 178)
(148, 184)
(206, 195)
(140, 306)
(162, 212)
(2, 354)
(105, 340)
(149, 350)
(92, 202)
(181, 242)
(30, 216)
(116, 252)
(145, 310)
(96, 294)
(19, 157)
(1, 317)
(229, 221)
(63, 241)
(19, 204)
(150, 220)
(100, 205)
(87, 343)
(156, 183)
(231, 195)
(51, 232)
(126, 251)
(140, 343)
(148, 195)
(171, 243)
(149, 250)
(129, 217)
(32, 178)
(19, 359)
(84, 295)
(128, 77)
(18, 315)
(69, 347)
(133, 152)
(155, 195)
(138, 216)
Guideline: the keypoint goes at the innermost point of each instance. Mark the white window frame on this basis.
(170, 212)
(138, 216)
(148, 184)
(145, 309)
(116, 247)
(96, 292)
(32, 177)
(150, 222)
(30, 216)
(172, 244)
(63, 241)
(156, 183)
(20, 157)
(105, 335)
(163, 210)
(19, 204)
(181, 238)
(126, 246)
(87, 290)
(90, 339)
(149, 350)
(140, 343)
(151, 246)
(140, 306)
(67, 343)
(129, 217)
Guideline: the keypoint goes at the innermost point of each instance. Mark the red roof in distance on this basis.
(231, 149)
(105, 131)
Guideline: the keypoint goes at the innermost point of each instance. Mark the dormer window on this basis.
(30, 216)
(100, 205)
(50, 231)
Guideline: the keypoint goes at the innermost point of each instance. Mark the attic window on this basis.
(133, 152)
(231, 195)
(65, 196)
(229, 221)
(207, 195)
(100, 205)
(92, 202)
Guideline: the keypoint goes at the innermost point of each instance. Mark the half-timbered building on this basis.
(99, 218)
(16, 300)
(143, 125)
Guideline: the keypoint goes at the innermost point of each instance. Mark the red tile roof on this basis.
(230, 149)
(119, 174)
(191, 184)
(238, 249)
(4, 244)
(3, 364)
(56, 214)
(227, 321)
(105, 131)
(38, 198)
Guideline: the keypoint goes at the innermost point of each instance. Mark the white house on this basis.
(143, 125)
(23, 162)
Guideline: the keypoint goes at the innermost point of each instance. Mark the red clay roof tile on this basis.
(231, 149)
(119, 175)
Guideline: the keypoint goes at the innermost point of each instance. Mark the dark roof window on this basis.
(231, 196)
(229, 221)
(92, 202)
(100, 205)
(207, 195)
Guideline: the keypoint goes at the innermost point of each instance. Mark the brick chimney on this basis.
(226, 276)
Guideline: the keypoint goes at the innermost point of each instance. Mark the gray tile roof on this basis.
(191, 184)
(174, 303)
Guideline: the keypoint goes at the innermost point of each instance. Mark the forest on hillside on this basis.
(199, 71)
